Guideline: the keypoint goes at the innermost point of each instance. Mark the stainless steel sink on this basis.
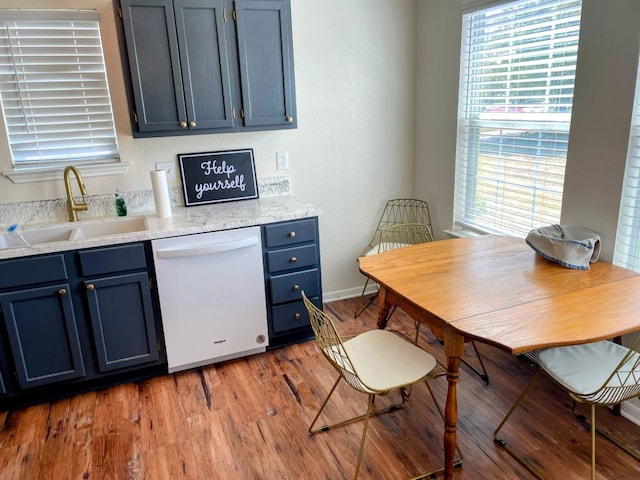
(79, 231)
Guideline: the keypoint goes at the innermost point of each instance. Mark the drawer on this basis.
(289, 258)
(289, 233)
(30, 271)
(288, 287)
(118, 258)
(292, 315)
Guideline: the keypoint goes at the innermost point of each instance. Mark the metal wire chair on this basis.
(405, 222)
(388, 236)
(597, 374)
(375, 363)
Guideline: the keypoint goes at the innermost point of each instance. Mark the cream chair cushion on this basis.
(385, 361)
(583, 369)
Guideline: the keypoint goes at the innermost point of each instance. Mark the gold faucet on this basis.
(72, 206)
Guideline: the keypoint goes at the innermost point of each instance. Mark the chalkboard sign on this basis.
(214, 177)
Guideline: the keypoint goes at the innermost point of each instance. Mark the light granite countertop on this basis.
(184, 221)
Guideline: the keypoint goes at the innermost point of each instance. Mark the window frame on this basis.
(520, 116)
(53, 170)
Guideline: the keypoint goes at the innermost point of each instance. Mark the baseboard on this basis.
(631, 411)
(348, 293)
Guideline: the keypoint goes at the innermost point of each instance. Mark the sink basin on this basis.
(36, 236)
(116, 226)
(79, 231)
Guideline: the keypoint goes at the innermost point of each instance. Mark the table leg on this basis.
(383, 308)
(453, 345)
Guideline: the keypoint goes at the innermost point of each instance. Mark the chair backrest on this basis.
(404, 221)
(402, 235)
(405, 210)
(331, 344)
(624, 383)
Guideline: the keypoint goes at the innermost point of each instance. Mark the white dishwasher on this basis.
(212, 300)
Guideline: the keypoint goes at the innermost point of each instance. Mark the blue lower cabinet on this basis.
(122, 320)
(291, 265)
(77, 320)
(43, 335)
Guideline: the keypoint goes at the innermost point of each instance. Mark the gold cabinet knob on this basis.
(62, 292)
(294, 259)
(292, 234)
(289, 119)
(183, 124)
(296, 287)
(192, 124)
(297, 316)
(91, 286)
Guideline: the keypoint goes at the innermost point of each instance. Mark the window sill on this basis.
(41, 174)
(463, 233)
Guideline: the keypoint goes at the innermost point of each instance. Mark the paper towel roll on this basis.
(161, 193)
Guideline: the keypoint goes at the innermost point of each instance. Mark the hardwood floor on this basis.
(247, 419)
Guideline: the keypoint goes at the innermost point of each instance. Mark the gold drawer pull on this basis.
(292, 234)
(62, 292)
(183, 124)
(289, 119)
(91, 286)
(294, 259)
(192, 124)
(297, 316)
(296, 287)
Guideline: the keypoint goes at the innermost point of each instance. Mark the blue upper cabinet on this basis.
(204, 63)
(208, 66)
(265, 52)
(154, 65)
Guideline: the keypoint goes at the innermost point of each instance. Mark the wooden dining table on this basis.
(497, 290)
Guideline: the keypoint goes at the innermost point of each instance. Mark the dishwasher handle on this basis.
(207, 249)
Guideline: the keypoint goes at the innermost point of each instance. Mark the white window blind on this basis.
(627, 248)
(516, 92)
(53, 88)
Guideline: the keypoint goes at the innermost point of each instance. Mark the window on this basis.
(516, 92)
(53, 89)
(627, 248)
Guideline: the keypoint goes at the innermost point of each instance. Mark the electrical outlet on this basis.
(168, 167)
(282, 160)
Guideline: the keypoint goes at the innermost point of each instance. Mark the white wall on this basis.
(353, 149)
(600, 124)
(440, 25)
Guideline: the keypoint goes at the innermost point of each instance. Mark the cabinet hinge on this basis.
(234, 16)
(242, 112)
(158, 345)
(233, 112)
(224, 15)
(134, 115)
(151, 283)
(119, 9)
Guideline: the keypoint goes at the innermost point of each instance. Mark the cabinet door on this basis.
(265, 54)
(152, 48)
(43, 336)
(122, 320)
(205, 66)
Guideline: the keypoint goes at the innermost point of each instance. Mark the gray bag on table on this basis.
(569, 246)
